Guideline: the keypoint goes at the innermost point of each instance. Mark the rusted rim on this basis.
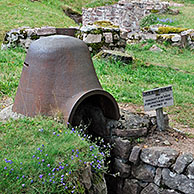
(78, 99)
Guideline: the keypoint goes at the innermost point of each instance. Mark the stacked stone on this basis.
(102, 38)
(124, 14)
(180, 37)
(150, 170)
(24, 36)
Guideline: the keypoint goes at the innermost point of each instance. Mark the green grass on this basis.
(11, 62)
(33, 148)
(17, 13)
(185, 19)
(127, 82)
(173, 57)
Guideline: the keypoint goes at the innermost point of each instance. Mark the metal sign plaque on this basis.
(158, 98)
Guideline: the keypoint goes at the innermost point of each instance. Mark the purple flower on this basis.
(38, 158)
(46, 155)
(38, 148)
(54, 133)
(42, 182)
(42, 145)
(76, 155)
(49, 174)
(5, 167)
(62, 175)
(20, 162)
(48, 165)
(23, 185)
(53, 169)
(50, 180)
(23, 176)
(41, 130)
(57, 135)
(33, 156)
(41, 176)
(17, 177)
(42, 160)
(69, 172)
(31, 181)
(73, 150)
(53, 182)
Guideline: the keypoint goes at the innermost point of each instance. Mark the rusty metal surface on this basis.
(58, 74)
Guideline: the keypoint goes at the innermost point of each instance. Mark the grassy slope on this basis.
(37, 147)
(17, 13)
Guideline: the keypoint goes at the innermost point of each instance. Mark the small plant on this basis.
(148, 20)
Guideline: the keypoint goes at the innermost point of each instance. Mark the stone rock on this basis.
(169, 191)
(167, 143)
(151, 189)
(154, 48)
(122, 168)
(87, 177)
(173, 11)
(7, 113)
(131, 186)
(177, 181)
(176, 38)
(98, 185)
(92, 38)
(131, 132)
(121, 148)
(190, 171)
(144, 172)
(158, 176)
(159, 156)
(45, 31)
(182, 162)
(148, 36)
(115, 55)
(108, 37)
(134, 156)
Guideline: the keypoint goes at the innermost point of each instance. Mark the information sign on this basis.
(158, 98)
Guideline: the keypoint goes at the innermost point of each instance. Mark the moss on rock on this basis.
(105, 24)
(170, 29)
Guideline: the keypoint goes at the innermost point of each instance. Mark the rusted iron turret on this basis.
(59, 76)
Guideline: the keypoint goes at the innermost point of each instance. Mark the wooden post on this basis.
(160, 119)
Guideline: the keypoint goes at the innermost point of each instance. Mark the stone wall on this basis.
(24, 36)
(98, 38)
(176, 36)
(125, 14)
(95, 36)
(146, 170)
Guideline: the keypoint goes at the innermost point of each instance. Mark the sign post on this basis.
(156, 99)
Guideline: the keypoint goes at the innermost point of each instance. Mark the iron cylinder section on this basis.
(58, 76)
